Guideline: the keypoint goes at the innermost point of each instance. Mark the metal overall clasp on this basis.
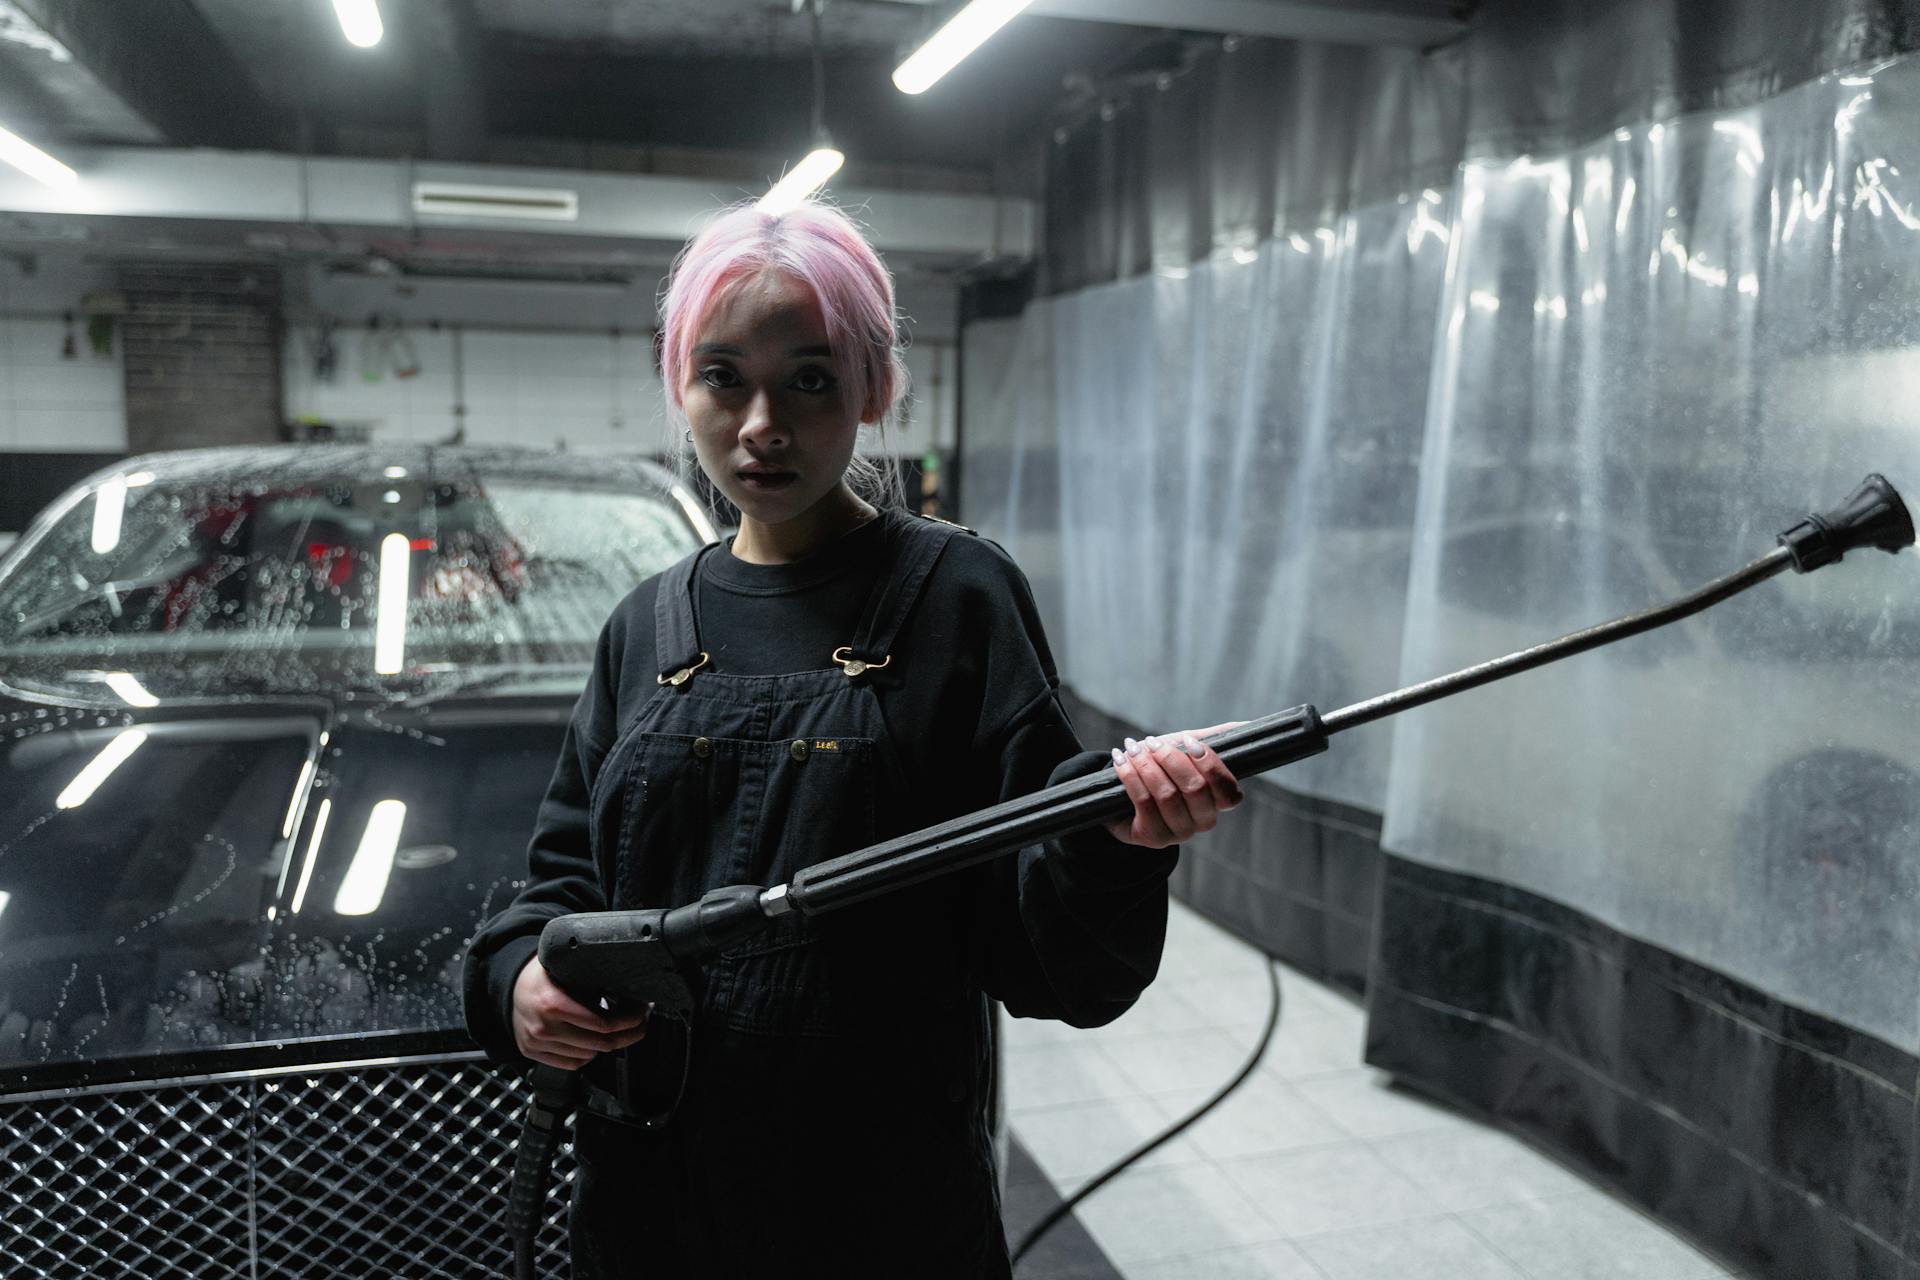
(855, 667)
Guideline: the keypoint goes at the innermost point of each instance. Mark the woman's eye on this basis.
(814, 381)
(719, 377)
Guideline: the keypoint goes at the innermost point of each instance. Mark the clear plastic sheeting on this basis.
(1342, 458)
(1656, 352)
(1237, 445)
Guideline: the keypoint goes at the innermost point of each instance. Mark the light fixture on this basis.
(365, 883)
(825, 159)
(360, 20)
(34, 162)
(966, 31)
(99, 769)
(390, 617)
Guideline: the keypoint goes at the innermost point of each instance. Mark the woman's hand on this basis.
(552, 1027)
(1179, 787)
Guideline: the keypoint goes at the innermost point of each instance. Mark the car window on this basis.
(492, 570)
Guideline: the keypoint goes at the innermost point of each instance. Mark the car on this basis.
(274, 726)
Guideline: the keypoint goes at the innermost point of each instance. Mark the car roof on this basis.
(295, 462)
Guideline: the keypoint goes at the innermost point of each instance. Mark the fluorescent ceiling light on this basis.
(965, 32)
(109, 505)
(131, 691)
(390, 616)
(365, 883)
(821, 163)
(34, 162)
(360, 19)
(100, 768)
(313, 849)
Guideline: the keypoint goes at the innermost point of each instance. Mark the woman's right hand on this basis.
(553, 1028)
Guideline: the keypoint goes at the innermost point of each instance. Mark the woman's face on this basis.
(771, 424)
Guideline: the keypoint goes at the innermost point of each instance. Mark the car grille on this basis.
(394, 1170)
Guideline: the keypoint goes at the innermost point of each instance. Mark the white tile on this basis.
(1366, 1104)
(1476, 1167)
(1276, 1261)
(1589, 1236)
(1160, 1008)
(1204, 1059)
(1072, 1143)
(1434, 1249)
(1328, 1189)
(1019, 1033)
(1230, 997)
(77, 430)
(1171, 1213)
(1053, 1075)
(1263, 1116)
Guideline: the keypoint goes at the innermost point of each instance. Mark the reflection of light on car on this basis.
(390, 617)
(313, 848)
(109, 505)
(395, 473)
(293, 805)
(100, 768)
(131, 691)
(365, 883)
(5, 898)
(696, 516)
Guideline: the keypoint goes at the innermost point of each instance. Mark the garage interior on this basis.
(1298, 351)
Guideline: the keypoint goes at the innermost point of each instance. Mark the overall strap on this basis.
(896, 593)
(676, 636)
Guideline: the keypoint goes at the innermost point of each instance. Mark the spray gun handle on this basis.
(632, 959)
(1872, 516)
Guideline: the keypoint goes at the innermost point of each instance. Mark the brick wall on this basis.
(202, 355)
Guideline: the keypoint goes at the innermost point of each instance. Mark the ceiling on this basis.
(711, 89)
(640, 85)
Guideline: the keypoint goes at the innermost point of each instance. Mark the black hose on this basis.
(1113, 1170)
(553, 1091)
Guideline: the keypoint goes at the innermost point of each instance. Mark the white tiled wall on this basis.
(51, 404)
(592, 391)
(595, 392)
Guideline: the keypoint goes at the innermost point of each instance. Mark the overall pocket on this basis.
(803, 800)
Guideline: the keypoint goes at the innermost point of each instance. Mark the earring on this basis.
(689, 435)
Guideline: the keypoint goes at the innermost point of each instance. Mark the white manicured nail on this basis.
(1192, 746)
(1118, 759)
(1134, 748)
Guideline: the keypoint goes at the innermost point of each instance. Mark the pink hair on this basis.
(816, 244)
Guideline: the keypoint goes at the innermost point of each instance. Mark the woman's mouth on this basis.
(766, 481)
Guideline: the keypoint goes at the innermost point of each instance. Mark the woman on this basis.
(839, 673)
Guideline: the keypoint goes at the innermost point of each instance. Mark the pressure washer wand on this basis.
(637, 957)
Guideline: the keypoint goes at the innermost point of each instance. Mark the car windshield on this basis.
(226, 583)
(238, 806)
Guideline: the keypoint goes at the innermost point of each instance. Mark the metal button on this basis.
(702, 748)
(798, 750)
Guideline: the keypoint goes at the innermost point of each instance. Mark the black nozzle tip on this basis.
(1872, 516)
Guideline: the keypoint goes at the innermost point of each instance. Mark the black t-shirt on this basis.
(775, 619)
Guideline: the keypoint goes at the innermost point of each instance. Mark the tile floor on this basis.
(1317, 1168)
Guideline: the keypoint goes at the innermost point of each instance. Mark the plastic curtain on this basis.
(1318, 464)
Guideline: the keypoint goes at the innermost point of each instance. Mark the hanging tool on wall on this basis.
(633, 959)
(386, 348)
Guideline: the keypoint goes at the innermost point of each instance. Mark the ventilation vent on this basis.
(462, 200)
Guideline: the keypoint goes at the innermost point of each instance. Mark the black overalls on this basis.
(834, 1117)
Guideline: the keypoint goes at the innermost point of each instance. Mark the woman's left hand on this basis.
(1179, 786)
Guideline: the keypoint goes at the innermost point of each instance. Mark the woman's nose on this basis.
(760, 424)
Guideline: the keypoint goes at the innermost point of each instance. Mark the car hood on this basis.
(256, 875)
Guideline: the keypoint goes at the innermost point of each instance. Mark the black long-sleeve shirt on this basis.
(1070, 930)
